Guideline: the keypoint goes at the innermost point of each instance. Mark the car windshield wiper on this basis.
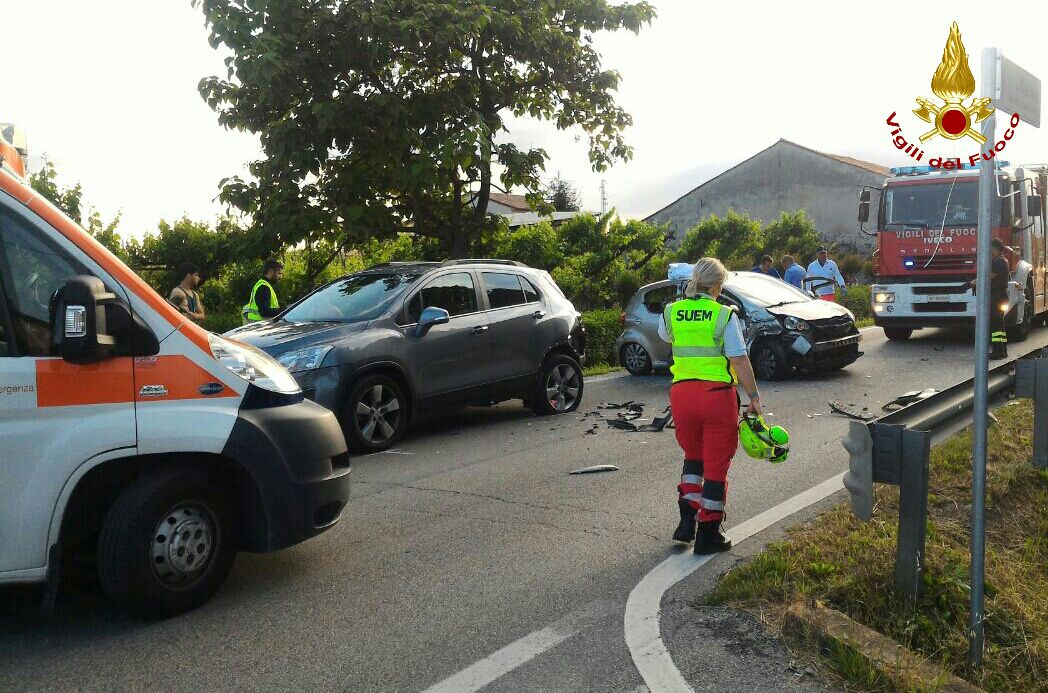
(783, 303)
(908, 223)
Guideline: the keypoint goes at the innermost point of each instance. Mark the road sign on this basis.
(1017, 91)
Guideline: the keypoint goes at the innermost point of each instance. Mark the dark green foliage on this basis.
(738, 241)
(562, 195)
(602, 329)
(856, 298)
(378, 118)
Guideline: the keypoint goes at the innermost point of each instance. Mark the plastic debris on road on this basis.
(595, 469)
(851, 411)
(909, 398)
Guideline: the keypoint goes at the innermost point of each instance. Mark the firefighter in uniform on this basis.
(263, 303)
(709, 360)
(1000, 275)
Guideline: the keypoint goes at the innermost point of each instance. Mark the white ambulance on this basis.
(130, 432)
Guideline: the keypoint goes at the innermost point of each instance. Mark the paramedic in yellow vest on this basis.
(709, 361)
(262, 303)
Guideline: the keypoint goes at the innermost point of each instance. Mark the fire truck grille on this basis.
(964, 263)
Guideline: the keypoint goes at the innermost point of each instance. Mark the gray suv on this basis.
(382, 346)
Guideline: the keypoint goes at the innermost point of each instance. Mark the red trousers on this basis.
(706, 416)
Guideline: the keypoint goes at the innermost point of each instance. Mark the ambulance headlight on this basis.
(253, 365)
(307, 359)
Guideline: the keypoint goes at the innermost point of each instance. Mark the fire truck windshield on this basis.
(925, 205)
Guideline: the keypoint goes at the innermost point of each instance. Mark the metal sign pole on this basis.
(987, 197)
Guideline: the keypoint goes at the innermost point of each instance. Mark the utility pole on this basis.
(603, 196)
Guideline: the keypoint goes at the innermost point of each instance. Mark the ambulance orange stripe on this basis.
(101, 255)
(63, 384)
(178, 375)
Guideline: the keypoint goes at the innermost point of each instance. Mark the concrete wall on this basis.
(783, 178)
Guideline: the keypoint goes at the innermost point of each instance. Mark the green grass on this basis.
(865, 322)
(848, 565)
(600, 369)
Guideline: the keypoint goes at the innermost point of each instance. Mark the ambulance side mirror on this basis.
(864, 206)
(79, 320)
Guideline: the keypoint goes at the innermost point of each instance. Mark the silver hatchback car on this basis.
(786, 329)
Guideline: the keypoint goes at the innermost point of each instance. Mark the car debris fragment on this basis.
(906, 399)
(850, 411)
(595, 469)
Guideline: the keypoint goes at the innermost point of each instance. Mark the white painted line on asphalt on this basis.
(867, 329)
(518, 652)
(641, 622)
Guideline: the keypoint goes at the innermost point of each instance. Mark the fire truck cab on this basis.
(927, 228)
(131, 436)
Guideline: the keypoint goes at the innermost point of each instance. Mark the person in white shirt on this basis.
(826, 268)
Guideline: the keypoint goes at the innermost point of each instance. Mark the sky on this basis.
(107, 91)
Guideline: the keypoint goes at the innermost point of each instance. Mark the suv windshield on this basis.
(354, 298)
(925, 205)
(763, 290)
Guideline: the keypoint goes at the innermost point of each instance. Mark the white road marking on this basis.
(641, 622)
(867, 329)
(518, 652)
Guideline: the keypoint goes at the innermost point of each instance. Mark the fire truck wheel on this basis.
(897, 334)
(770, 360)
(166, 544)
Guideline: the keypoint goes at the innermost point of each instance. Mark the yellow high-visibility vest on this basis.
(250, 310)
(696, 326)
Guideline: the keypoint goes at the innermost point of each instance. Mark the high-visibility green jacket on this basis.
(250, 310)
(696, 326)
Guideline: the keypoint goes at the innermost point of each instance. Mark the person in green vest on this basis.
(709, 360)
(263, 303)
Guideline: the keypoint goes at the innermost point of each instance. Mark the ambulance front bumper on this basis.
(296, 455)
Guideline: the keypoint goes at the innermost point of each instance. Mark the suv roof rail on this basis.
(404, 263)
(484, 261)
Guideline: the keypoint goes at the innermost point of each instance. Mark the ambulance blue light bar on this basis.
(921, 170)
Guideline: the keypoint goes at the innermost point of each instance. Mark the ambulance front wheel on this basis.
(166, 544)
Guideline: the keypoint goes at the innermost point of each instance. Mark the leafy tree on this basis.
(793, 233)
(735, 240)
(384, 117)
(68, 199)
(562, 195)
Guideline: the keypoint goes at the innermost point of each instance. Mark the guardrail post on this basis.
(1031, 382)
(900, 457)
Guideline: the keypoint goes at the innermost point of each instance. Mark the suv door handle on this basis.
(480, 329)
(637, 320)
(538, 314)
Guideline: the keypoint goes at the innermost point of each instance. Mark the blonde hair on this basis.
(708, 273)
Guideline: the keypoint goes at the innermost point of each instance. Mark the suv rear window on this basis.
(531, 294)
(503, 290)
(452, 292)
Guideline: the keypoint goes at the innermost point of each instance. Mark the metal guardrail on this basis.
(894, 449)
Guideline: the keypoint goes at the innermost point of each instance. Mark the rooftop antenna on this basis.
(603, 196)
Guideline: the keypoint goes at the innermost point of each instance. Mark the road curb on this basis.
(819, 626)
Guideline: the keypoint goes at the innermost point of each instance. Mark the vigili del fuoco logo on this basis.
(955, 117)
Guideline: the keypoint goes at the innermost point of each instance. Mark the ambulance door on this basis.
(54, 415)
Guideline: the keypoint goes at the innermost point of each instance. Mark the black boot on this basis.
(1000, 351)
(711, 539)
(686, 529)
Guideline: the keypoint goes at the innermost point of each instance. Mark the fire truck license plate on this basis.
(939, 298)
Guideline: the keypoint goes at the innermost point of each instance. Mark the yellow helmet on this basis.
(763, 442)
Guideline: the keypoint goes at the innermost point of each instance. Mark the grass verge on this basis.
(848, 565)
(600, 369)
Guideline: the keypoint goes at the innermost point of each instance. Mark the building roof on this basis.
(517, 202)
(857, 163)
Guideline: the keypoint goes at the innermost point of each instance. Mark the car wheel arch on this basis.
(390, 369)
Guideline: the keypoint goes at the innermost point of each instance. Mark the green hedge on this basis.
(857, 299)
(221, 322)
(602, 329)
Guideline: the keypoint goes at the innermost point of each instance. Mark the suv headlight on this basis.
(795, 324)
(306, 359)
(253, 365)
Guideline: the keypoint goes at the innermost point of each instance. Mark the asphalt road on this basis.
(470, 535)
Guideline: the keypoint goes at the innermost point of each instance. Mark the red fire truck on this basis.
(926, 230)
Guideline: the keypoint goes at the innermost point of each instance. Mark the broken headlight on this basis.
(795, 324)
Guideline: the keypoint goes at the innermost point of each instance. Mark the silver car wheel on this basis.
(183, 542)
(636, 358)
(562, 387)
(378, 414)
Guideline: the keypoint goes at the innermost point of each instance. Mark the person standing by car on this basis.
(1000, 273)
(263, 304)
(184, 296)
(792, 273)
(767, 266)
(709, 360)
(825, 268)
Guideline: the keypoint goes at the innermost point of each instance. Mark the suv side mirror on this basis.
(864, 206)
(431, 316)
(78, 320)
(89, 324)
